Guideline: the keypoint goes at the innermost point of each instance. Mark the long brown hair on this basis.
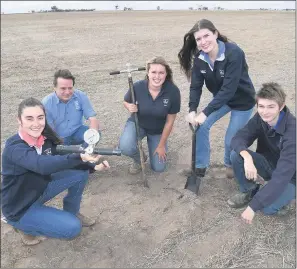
(48, 132)
(189, 49)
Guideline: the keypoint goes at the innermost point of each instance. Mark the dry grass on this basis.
(164, 226)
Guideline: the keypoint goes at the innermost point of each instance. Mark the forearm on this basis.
(126, 104)
(94, 123)
(245, 155)
(166, 132)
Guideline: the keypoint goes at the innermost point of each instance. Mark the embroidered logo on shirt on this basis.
(222, 73)
(165, 101)
(48, 151)
(203, 71)
(77, 106)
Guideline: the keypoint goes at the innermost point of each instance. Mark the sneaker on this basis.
(200, 172)
(85, 221)
(229, 172)
(240, 199)
(135, 167)
(27, 239)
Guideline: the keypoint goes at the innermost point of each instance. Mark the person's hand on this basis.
(191, 117)
(250, 169)
(200, 118)
(102, 166)
(248, 215)
(132, 108)
(161, 151)
(90, 157)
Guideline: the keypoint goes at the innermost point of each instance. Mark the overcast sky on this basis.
(25, 6)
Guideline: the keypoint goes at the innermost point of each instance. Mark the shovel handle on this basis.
(194, 128)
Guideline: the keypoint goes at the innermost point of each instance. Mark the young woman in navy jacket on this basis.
(207, 57)
(32, 174)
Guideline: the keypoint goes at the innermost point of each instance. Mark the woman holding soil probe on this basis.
(157, 103)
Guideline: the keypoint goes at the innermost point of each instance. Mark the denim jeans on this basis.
(238, 120)
(128, 146)
(265, 170)
(77, 137)
(42, 220)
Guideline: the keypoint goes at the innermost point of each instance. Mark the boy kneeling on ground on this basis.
(274, 128)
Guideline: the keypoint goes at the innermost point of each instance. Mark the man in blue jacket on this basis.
(274, 128)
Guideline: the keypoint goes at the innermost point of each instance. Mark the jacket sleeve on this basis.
(246, 136)
(197, 81)
(27, 157)
(281, 176)
(230, 83)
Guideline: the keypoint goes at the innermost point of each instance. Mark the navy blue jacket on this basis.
(151, 113)
(278, 146)
(229, 82)
(25, 174)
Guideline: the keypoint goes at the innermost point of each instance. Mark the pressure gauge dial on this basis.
(91, 136)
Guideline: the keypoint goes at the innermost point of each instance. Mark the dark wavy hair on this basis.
(189, 50)
(48, 132)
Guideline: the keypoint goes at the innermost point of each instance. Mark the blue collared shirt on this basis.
(220, 57)
(66, 118)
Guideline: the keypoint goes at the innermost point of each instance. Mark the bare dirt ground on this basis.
(164, 226)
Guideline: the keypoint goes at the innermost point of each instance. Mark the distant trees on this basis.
(158, 7)
(116, 7)
(128, 8)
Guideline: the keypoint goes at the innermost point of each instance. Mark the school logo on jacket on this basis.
(48, 151)
(165, 101)
(222, 73)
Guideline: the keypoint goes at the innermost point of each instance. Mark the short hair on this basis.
(63, 73)
(272, 91)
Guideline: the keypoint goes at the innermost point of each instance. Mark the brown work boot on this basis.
(27, 239)
(135, 167)
(229, 172)
(85, 221)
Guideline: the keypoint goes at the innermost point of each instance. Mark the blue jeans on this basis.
(77, 137)
(265, 170)
(238, 120)
(42, 220)
(128, 146)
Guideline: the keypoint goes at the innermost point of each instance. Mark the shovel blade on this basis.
(193, 183)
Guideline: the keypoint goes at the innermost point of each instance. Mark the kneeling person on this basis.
(274, 128)
(66, 107)
(158, 102)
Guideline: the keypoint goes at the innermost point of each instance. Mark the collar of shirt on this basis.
(57, 100)
(279, 127)
(220, 57)
(163, 88)
(30, 141)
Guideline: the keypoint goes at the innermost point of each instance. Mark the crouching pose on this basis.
(274, 128)
(158, 102)
(33, 174)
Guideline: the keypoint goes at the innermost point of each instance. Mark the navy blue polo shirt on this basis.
(152, 113)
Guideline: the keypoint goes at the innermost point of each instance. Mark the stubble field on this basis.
(165, 225)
